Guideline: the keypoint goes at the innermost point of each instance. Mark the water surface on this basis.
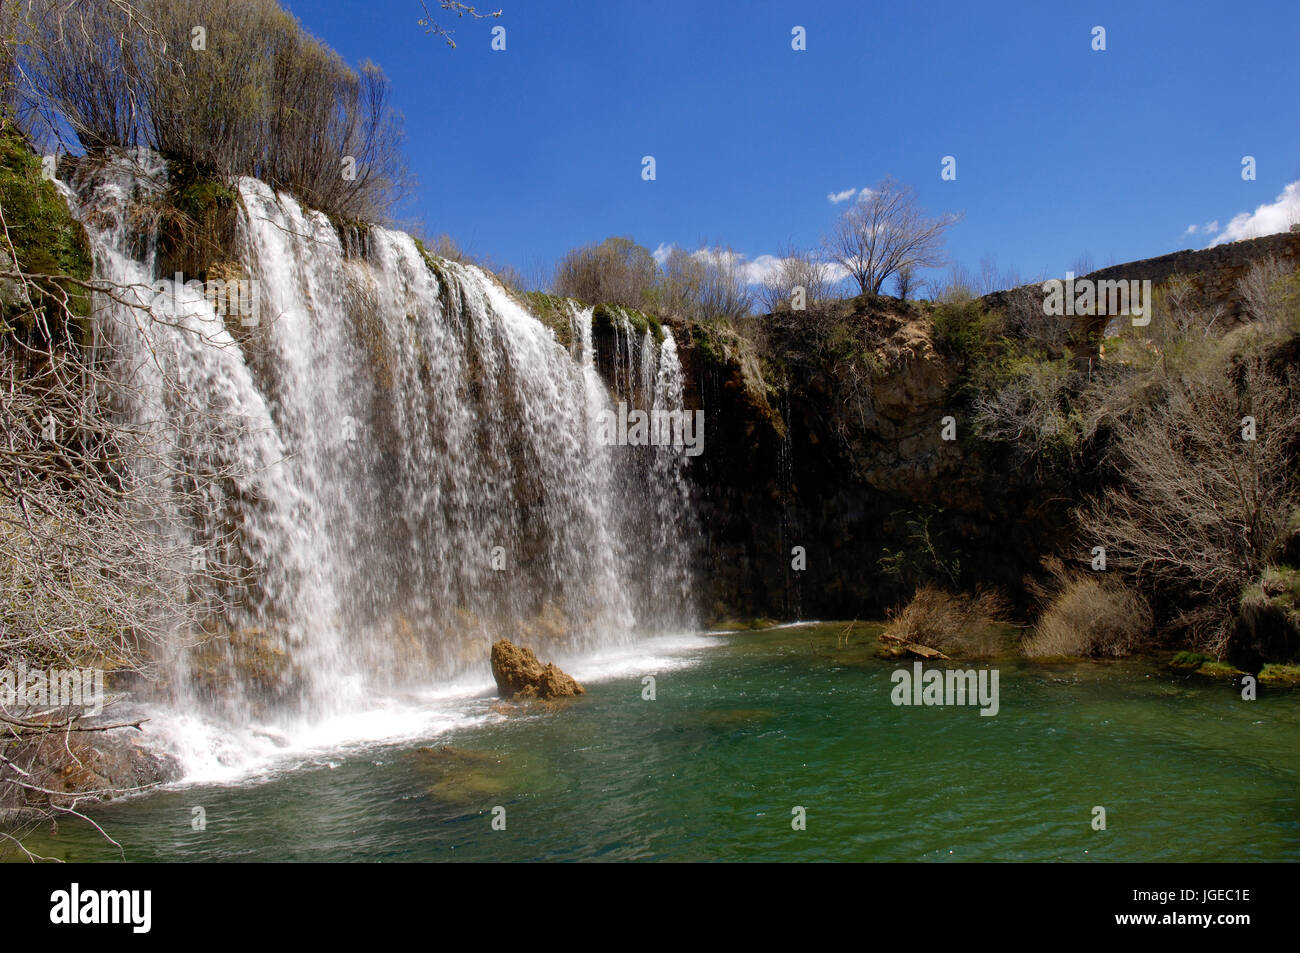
(744, 728)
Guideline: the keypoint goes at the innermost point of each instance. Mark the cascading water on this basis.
(406, 460)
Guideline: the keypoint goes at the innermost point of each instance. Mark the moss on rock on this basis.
(47, 240)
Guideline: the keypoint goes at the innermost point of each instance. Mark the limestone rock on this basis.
(519, 674)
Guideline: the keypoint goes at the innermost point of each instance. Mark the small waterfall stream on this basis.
(401, 461)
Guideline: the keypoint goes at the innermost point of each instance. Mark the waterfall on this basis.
(403, 461)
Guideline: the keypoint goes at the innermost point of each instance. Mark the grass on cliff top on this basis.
(605, 318)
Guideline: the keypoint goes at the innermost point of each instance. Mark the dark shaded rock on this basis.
(1266, 631)
(100, 763)
(519, 674)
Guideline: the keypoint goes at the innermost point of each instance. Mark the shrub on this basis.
(262, 97)
(703, 284)
(1088, 616)
(960, 625)
(1198, 511)
(1025, 402)
(966, 328)
(616, 271)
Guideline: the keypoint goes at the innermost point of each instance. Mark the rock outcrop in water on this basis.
(59, 768)
(520, 674)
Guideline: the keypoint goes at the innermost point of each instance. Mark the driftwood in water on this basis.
(912, 648)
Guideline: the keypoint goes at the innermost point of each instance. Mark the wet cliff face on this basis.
(838, 447)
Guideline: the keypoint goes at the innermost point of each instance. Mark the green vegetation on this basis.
(966, 329)
(554, 312)
(197, 222)
(47, 240)
(605, 318)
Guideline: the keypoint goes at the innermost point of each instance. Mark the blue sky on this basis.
(1061, 150)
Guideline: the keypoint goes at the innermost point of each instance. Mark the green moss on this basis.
(605, 317)
(46, 239)
(1189, 660)
(426, 255)
(552, 311)
(744, 625)
(1202, 665)
(1217, 670)
(1280, 674)
(198, 196)
(708, 343)
(198, 222)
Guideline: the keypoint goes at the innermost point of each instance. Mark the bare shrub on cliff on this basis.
(958, 625)
(1024, 320)
(1087, 614)
(704, 284)
(877, 236)
(615, 271)
(1199, 509)
(796, 268)
(1028, 407)
(1264, 291)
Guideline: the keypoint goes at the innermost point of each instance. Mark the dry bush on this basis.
(797, 268)
(1198, 509)
(615, 271)
(262, 97)
(1266, 291)
(704, 284)
(957, 625)
(1088, 615)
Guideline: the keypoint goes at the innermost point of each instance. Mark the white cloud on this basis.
(1207, 228)
(835, 198)
(1191, 230)
(761, 268)
(1268, 219)
(756, 271)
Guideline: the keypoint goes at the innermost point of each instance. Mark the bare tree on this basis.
(1083, 265)
(725, 290)
(905, 282)
(450, 6)
(992, 278)
(96, 571)
(878, 235)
